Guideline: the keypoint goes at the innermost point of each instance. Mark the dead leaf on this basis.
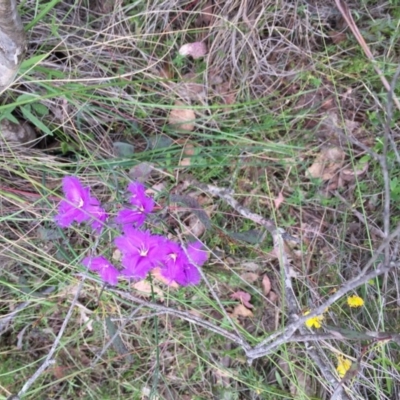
(327, 163)
(227, 94)
(214, 77)
(266, 285)
(243, 297)
(350, 174)
(194, 226)
(273, 297)
(241, 311)
(146, 290)
(84, 319)
(279, 200)
(141, 172)
(249, 277)
(182, 118)
(251, 266)
(156, 273)
(195, 49)
(189, 151)
(337, 36)
(116, 255)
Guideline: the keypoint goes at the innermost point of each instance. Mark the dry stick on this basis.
(344, 10)
(293, 311)
(339, 335)
(48, 360)
(326, 372)
(186, 316)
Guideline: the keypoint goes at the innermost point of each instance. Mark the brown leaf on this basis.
(327, 163)
(279, 200)
(188, 151)
(243, 297)
(337, 36)
(249, 277)
(227, 94)
(272, 296)
(266, 285)
(241, 311)
(181, 118)
(350, 174)
(251, 266)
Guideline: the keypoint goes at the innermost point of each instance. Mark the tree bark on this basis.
(12, 42)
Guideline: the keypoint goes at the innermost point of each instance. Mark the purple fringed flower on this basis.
(179, 267)
(130, 217)
(103, 267)
(142, 206)
(79, 206)
(141, 251)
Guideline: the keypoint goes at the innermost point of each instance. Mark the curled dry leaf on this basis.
(273, 297)
(327, 163)
(85, 320)
(116, 255)
(243, 297)
(266, 285)
(182, 118)
(241, 311)
(279, 200)
(195, 49)
(194, 226)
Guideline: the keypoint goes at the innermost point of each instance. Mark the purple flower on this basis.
(181, 266)
(103, 267)
(142, 205)
(130, 217)
(141, 251)
(79, 206)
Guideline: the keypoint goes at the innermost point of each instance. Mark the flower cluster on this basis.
(314, 322)
(141, 250)
(355, 301)
(343, 365)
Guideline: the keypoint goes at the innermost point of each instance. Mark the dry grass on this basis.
(282, 81)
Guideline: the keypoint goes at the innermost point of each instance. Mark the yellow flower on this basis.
(343, 366)
(355, 301)
(314, 322)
